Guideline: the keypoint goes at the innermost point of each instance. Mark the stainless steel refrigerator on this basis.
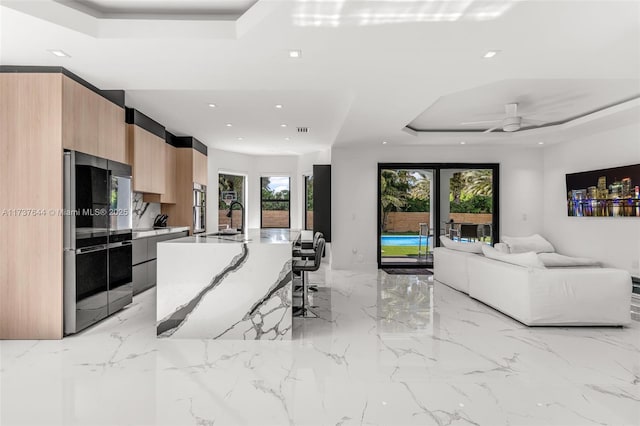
(97, 239)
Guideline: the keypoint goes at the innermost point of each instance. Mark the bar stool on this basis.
(303, 266)
(308, 253)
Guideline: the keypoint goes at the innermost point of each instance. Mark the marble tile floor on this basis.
(387, 350)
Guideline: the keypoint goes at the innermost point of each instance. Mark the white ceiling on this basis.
(358, 82)
(543, 100)
(253, 117)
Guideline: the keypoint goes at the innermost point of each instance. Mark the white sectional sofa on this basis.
(451, 268)
(552, 296)
(559, 296)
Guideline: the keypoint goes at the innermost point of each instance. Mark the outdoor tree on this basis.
(478, 182)
(393, 193)
(456, 184)
(271, 198)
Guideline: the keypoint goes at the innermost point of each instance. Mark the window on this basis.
(275, 202)
(230, 188)
(308, 197)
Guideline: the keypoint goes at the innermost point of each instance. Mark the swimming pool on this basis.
(403, 240)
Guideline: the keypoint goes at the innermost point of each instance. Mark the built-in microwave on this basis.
(199, 208)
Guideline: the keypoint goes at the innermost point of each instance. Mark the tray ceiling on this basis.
(549, 101)
(230, 9)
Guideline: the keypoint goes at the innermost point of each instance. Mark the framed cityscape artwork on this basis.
(604, 193)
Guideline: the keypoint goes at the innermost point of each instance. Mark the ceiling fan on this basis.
(512, 122)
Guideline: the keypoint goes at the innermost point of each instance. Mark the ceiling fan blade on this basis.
(468, 123)
(536, 122)
(492, 129)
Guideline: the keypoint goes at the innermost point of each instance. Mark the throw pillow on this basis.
(533, 243)
(458, 246)
(528, 259)
(555, 260)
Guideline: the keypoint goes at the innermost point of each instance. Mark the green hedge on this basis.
(475, 204)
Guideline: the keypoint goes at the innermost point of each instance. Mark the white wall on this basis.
(615, 241)
(354, 192)
(253, 167)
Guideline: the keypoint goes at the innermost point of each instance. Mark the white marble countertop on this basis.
(152, 232)
(254, 236)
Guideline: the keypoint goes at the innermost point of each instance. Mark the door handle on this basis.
(85, 250)
(120, 244)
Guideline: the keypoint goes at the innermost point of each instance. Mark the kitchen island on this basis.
(218, 286)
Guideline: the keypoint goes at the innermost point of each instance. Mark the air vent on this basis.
(303, 130)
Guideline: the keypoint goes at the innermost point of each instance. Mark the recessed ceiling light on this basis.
(283, 125)
(384, 142)
(287, 139)
(540, 143)
(239, 139)
(491, 54)
(212, 105)
(463, 143)
(279, 106)
(229, 124)
(59, 53)
(295, 53)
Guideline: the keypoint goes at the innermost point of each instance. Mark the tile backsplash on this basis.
(143, 213)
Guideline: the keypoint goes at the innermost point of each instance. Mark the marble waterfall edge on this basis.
(224, 291)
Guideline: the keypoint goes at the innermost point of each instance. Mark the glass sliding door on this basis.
(406, 222)
(419, 202)
(466, 204)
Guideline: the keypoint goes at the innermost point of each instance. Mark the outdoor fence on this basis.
(224, 220)
(275, 218)
(270, 218)
(309, 219)
(409, 221)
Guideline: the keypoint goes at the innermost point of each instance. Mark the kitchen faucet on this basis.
(229, 214)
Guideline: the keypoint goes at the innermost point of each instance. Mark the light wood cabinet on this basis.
(200, 168)
(40, 114)
(191, 167)
(170, 179)
(146, 154)
(79, 117)
(92, 124)
(31, 177)
(169, 195)
(181, 213)
(111, 131)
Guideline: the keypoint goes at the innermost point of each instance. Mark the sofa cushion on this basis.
(458, 246)
(529, 259)
(555, 260)
(535, 243)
